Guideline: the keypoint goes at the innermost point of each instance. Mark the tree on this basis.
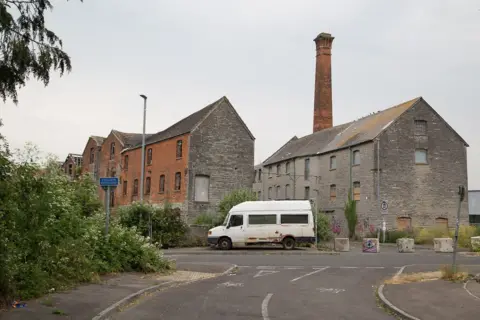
(27, 46)
(351, 215)
(233, 198)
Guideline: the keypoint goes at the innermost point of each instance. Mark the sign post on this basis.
(461, 196)
(108, 184)
(384, 209)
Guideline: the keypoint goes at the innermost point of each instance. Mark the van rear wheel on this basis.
(225, 243)
(288, 243)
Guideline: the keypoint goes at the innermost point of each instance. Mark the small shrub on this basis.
(351, 215)
(464, 235)
(233, 198)
(391, 236)
(448, 273)
(324, 232)
(426, 235)
(209, 220)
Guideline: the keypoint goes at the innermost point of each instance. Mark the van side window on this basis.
(294, 218)
(262, 219)
(236, 220)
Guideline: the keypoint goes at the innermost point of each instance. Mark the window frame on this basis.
(112, 150)
(269, 193)
(279, 166)
(178, 180)
(262, 215)
(125, 187)
(277, 192)
(306, 192)
(149, 156)
(135, 187)
(356, 152)
(179, 149)
(287, 167)
(148, 185)
(236, 215)
(306, 173)
(125, 162)
(426, 156)
(334, 158)
(208, 188)
(333, 192)
(287, 191)
(161, 184)
(357, 186)
(92, 155)
(293, 215)
(416, 124)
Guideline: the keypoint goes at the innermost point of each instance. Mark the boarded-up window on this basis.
(178, 181)
(333, 163)
(441, 223)
(148, 185)
(421, 156)
(294, 218)
(135, 187)
(287, 191)
(404, 223)
(202, 184)
(307, 193)
(333, 192)
(125, 163)
(356, 191)
(112, 150)
(149, 156)
(420, 127)
(125, 185)
(356, 157)
(161, 187)
(179, 148)
(262, 219)
(277, 192)
(270, 193)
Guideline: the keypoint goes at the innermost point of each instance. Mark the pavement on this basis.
(437, 299)
(266, 285)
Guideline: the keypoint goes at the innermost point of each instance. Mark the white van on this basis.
(265, 222)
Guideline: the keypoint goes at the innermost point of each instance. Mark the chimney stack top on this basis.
(323, 35)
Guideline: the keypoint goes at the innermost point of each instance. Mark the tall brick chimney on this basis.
(322, 104)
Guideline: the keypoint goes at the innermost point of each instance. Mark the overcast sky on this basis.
(261, 55)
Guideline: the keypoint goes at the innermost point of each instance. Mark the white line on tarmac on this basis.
(468, 291)
(375, 267)
(266, 267)
(265, 306)
(348, 267)
(308, 274)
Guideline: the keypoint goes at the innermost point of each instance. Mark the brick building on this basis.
(72, 166)
(192, 164)
(407, 155)
(91, 156)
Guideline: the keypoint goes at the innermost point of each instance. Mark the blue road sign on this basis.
(109, 182)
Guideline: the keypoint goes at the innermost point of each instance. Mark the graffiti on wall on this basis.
(364, 226)
(336, 226)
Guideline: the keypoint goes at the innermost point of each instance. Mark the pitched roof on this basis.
(130, 139)
(98, 140)
(341, 136)
(185, 125)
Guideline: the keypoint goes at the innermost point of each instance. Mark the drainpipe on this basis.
(350, 187)
(378, 189)
(294, 180)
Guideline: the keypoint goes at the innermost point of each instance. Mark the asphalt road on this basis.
(269, 287)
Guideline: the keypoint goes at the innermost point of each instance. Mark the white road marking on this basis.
(294, 267)
(399, 272)
(265, 306)
(330, 290)
(308, 274)
(348, 267)
(266, 267)
(262, 273)
(323, 267)
(375, 267)
(231, 284)
(468, 291)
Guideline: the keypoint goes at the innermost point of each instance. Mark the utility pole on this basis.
(461, 196)
(142, 174)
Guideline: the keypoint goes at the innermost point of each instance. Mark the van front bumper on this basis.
(305, 239)
(212, 240)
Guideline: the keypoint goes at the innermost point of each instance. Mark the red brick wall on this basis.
(164, 161)
(322, 114)
(86, 166)
(107, 165)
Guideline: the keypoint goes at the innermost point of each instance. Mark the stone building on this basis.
(191, 164)
(406, 155)
(72, 166)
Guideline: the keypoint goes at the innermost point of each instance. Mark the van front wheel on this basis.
(288, 243)
(225, 244)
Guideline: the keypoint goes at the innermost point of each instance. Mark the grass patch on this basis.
(458, 276)
(414, 277)
(59, 312)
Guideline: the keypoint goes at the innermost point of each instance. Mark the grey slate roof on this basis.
(341, 136)
(98, 140)
(130, 139)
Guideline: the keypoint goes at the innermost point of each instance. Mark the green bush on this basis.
(208, 220)
(324, 232)
(52, 234)
(168, 226)
(351, 215)
(233, 198)
(391, 236)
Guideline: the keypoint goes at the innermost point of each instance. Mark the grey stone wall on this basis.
(422, 192)
(222, 149)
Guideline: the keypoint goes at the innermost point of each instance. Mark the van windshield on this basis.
(226, 219)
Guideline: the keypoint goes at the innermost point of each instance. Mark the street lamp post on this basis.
(142, 174)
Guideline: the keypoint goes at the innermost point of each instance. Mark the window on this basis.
(259, 175)
(179, 148)
(92, 155)
(278, 169)
(333, 163)
(307, 193)
(202, 185)
(149, 156)
(441, 223)
(112, 198)
(421, 156)
(236, 220)
(262, 219)
(307, 169)
(277, 192)
(294, 218)
(259, 195)
(333, 192)
(356, 158)
(178, 181)
(287, 167)
(161, 187)
(404, 223)
(148, 184)
(125, 185)
(420, 128)
(70, 169)
(125, 163)
(287, 191)
(135, 187)
(112, 150)
(270, 193)
(269, 171)
(356, 191)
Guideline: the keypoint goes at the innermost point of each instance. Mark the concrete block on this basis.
(443, 244)
(371, 245)
(342, 244)
(405, 245)
(475, 241)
